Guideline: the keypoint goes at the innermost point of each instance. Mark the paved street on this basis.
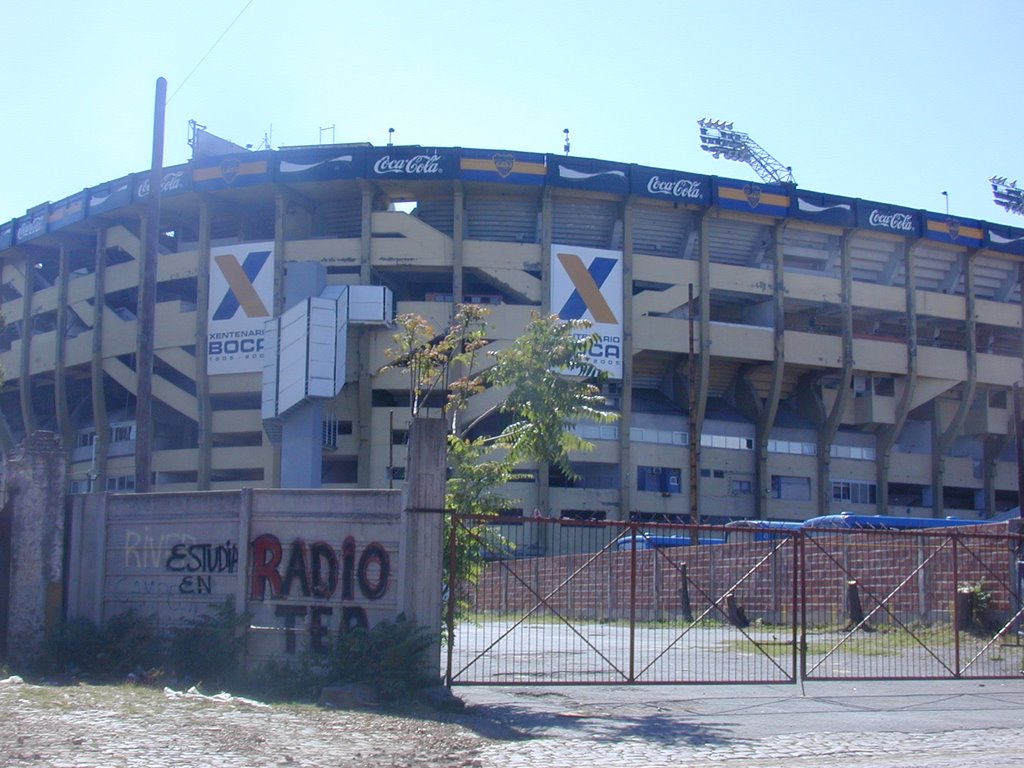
(841, 725)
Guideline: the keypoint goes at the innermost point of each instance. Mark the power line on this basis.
(215, 44)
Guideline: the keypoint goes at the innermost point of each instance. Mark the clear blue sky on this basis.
(891, 101)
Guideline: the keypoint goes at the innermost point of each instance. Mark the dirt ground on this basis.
(86, 725)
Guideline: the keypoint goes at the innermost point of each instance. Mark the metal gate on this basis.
(613, 603)
(935, 604)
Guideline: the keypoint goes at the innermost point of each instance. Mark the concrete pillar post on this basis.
(36, 477)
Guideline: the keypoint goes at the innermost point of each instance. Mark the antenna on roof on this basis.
(325, 128)
(566, 132)
(391, 136)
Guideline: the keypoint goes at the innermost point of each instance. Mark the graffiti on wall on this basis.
(314, 572)
(198, 563)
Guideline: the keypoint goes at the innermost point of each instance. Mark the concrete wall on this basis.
(304, 563)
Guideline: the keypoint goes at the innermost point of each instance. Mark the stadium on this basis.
(772, 352)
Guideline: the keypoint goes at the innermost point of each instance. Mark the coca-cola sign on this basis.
(416, 165)
(900, 222)
(885, 218)
(684, 188)
(655, 182)
(171, 182)
(31, 228)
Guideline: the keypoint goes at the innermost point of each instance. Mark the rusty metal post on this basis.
(632, 603)
(956, 607)
(453, 521)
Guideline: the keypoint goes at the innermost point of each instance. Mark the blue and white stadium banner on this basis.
(32, 224)
(954, 230)
(1002, 238)
(751, 197)
(320, 164)
(244, 169)
(501, 166)
(585, 173)
(67, 211)
(586, 284)
(675, 186)
(6, 235)
(110, 196)
(403, 163)
(888, 218)
(241, 301)
(823, 208)
(176, 180)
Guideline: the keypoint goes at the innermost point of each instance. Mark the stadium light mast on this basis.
(1008, 195)
(720, 139)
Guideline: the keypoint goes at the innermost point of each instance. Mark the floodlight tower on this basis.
(720, 139)
(1008, 195)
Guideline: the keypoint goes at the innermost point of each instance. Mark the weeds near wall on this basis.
(391, 658)
(210, 649)
(127, 644)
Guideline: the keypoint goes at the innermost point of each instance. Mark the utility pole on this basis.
(147, 305)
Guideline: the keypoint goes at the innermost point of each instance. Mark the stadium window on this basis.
(853, 492)
(740, 487)
(791, 488)
(661, 479)
(581, 515)
(121, 483)
(885, 386)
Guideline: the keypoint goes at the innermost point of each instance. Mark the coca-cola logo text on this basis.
(901, 222)
(31, 228)
(682, 188)
(171, 182)
(420, 164)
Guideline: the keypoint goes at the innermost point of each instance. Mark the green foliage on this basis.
(128, 643)
(548, 378)
(979, 599)
(547, 381)
(440, 364)
(210, 648)
(391, 657)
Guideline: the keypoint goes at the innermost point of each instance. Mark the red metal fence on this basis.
(631, 603)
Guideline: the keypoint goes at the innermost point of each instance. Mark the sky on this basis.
(893, 101)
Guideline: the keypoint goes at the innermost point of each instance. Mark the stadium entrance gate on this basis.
(624, 603)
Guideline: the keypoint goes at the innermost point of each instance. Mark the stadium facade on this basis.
(830, 353)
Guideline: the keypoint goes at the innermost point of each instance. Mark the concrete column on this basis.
(204, 415)
(626, 473)
(98, 470)
(943, 439)
(364, 391)
(60, 376)
(778, 365)
(423, 546)
(888, 435)
(36, 475)
(28, 418)
(827, 430)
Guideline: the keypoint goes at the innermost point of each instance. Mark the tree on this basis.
(549, 382)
